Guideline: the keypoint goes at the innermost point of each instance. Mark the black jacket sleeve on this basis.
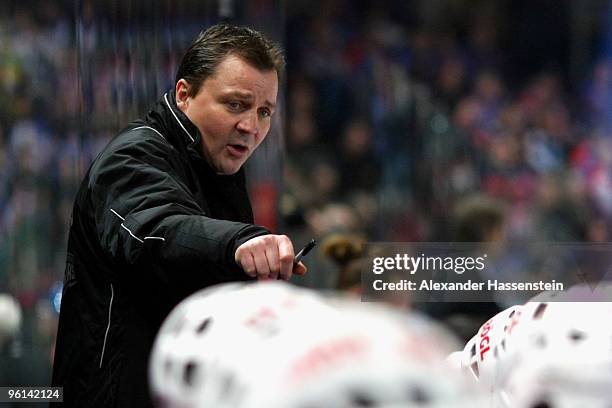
(146, 216)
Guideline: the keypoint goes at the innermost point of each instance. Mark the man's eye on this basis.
(265, 113)
(234, 105)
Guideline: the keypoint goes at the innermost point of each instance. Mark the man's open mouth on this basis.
(238, 149)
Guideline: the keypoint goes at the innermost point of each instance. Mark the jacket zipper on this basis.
(110, 308)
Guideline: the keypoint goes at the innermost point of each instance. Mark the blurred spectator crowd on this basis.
(393, 126)
(390, 125)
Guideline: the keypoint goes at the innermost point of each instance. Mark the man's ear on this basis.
(182, 94)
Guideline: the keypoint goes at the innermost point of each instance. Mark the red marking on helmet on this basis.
(327, 355)
(262, 315)
(484, 338)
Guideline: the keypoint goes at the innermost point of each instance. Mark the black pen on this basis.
(304, 251)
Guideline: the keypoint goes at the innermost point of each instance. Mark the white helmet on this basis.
(10, 317)
(480, 356)
(545, 379)
(559, 353)
(205, 334)
(376, 357)
(272, 345)
(539, 349)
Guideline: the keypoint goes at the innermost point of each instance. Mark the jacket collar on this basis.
(174, 124)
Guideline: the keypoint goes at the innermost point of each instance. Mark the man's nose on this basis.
(248, 123)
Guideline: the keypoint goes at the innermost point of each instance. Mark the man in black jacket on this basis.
(162, 212)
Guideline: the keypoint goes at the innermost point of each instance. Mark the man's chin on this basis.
(227, 169)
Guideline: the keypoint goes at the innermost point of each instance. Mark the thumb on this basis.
(299, 269)
(237, 255)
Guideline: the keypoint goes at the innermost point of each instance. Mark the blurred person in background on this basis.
(162, 212)
(352, 256)
(346, 250)
(476, 218)
(358, 165)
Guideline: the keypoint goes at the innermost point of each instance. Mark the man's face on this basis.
(232, 110)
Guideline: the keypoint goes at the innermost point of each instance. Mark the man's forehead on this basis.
(237, 61)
